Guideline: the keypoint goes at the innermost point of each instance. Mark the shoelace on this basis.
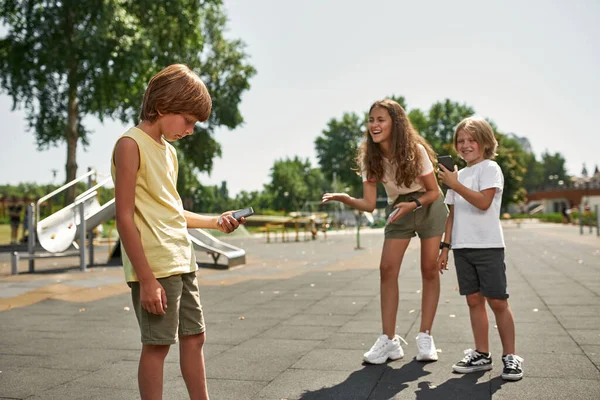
(378, 344)
(424, 341)
(469, 355)
(401, 338)
(382, 342)
(513, 362)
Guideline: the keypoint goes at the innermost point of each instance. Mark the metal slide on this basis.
(57, 232)
(205, 242)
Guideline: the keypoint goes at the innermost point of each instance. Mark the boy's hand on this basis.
(153, 297)
(442, 261)
(227, 224)
(447, 177)
(327, 197)
(401, 209)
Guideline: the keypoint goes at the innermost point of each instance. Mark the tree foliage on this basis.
(293, 183)
(62, 61)
(336, 151)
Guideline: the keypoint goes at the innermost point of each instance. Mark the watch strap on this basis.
(418, 203)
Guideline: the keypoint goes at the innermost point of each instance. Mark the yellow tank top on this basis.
(158, 214)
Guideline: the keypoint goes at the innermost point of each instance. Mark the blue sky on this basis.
(532, 67)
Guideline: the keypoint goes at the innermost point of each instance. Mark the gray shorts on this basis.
(481, 270)
(183, 317)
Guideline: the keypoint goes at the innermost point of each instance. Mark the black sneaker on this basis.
(513, 367)
(473, 361)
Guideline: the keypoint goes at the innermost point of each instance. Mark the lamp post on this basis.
(588, 208)
(552, 179)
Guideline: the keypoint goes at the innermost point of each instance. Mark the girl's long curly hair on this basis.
(406, 155)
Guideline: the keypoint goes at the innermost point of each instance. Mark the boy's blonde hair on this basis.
(481, 131)
(176, 90)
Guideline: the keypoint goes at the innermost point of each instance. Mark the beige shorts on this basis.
(183, 314)
(428, 221)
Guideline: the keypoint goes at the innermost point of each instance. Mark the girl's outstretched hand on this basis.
(327, 197)
(447, 177)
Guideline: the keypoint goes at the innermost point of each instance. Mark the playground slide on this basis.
(104, 213)
(57, 232)
(205, 242)
(369, 217)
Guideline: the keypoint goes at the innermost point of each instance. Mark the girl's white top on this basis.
(389, 178)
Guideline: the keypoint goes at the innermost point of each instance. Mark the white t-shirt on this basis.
(472, 227)
(389, 177)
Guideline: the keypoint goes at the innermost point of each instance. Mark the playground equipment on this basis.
(63, 233)
(58, 233)
(203, 241)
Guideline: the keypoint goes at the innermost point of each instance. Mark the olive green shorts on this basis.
(428, 221)
(183, 314)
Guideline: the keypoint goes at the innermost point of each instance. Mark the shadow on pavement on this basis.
(464, 386)
(350, 389)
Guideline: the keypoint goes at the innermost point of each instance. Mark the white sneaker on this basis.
(426, 347)
(383, 349)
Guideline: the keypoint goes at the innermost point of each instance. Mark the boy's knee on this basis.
(156, 350)
(475, 300)
(498, 304)
(194, 340)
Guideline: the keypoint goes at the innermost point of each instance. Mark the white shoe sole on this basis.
(512, 377)
(381, 360)
(427, 357)
(467, 370)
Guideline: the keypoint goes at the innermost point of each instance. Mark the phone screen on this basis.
(246, 212)
(447, 162)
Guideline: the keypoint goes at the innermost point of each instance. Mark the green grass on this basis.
(5, 233)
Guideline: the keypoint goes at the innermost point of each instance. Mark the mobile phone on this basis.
(246, 212)
(447, 162)
(392, 214)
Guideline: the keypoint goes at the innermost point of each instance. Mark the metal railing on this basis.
(59, 190)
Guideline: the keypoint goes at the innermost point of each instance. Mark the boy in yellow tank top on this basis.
(158, 258)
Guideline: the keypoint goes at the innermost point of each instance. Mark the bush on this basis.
(589, 218)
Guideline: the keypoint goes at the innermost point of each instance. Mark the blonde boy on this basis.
(474, 233)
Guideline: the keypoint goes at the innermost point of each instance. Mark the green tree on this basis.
(336, 151)
(534, 174)
(554, 170)
(511, 159)
(293, 182)
(188, 185)
(251, 199)
(442, 119)
(65, 60)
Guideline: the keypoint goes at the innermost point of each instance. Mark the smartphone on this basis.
(246, 212)
(447, 162)
(392, 214)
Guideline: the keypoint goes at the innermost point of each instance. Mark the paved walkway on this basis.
(294, 322)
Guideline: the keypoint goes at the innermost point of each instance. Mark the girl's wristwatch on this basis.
(445, 245)
(418, 203)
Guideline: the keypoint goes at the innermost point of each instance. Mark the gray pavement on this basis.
(294, 322)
